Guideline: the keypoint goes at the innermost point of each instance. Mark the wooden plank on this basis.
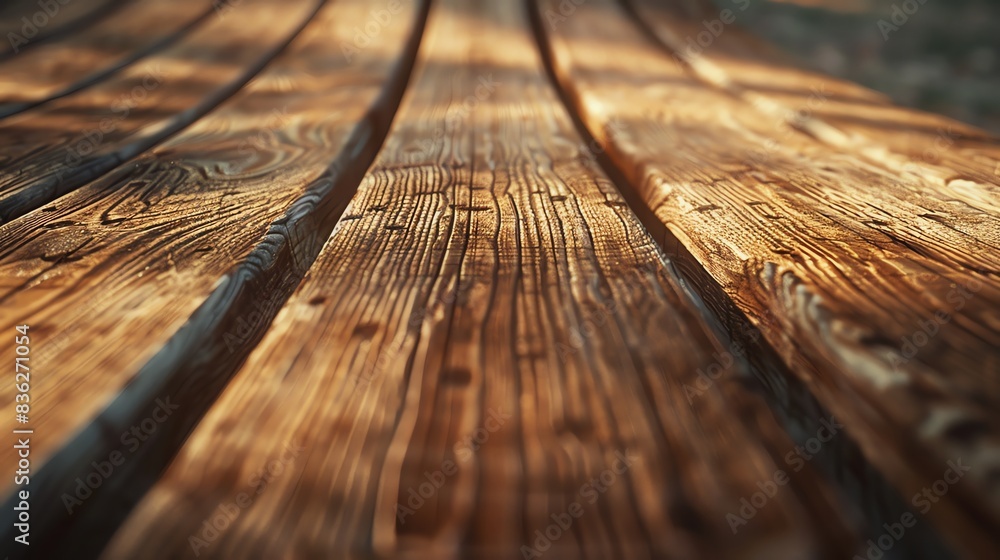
(487, 276)
(128, 259)
(827, 253)
(960, 160)
(25, 24)
(51, 150)
(59, 68)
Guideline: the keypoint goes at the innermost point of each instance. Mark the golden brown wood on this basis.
(557, 283)
(959, 160)
(834, 257)
(59, 68)
(51, 150)
(25, 24)
(486, 270)
(157, 237)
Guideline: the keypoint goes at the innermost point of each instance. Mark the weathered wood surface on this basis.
(828, 253)
(960, 161)
(153, 239)
(488, 276)
(49, 151)
(59, 68)
(46, 20)
(563, 232)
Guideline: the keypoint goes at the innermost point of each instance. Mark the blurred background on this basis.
(942, 57)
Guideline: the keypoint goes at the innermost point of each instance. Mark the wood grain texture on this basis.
(835, 258)
(59, 68)
(959, 160)
(152, 247)
(573, 246)
(47, 22)
(486, 276)
(51, 150)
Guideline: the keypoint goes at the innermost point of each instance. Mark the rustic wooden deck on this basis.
(486, 279)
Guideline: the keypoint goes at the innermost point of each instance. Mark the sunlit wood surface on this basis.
(135, 31)
(443, 265)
